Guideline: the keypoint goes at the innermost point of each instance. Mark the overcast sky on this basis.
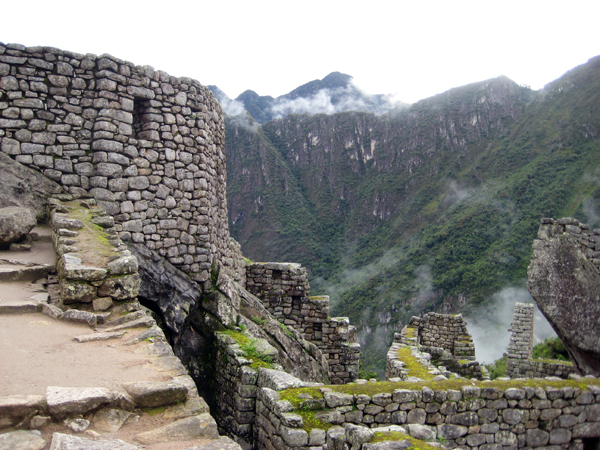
(414, 49)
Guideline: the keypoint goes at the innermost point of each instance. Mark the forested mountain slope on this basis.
(433, 207)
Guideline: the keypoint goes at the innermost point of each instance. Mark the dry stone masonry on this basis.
(520, 362)
(440, 340)
(146, 145)
(285, 292)
(90, 269)
(482, 416)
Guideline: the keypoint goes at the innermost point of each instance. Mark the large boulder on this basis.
(566, 286)
(15, 222)
(25, 187)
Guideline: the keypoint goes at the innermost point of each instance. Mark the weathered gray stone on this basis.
(121, 287)
(21, 440)
(15, 409)
(566, 287)
(422, 432)
(110, 420)
(61, 441)
(123, 266)
(15, 222)
(99, 336)
(537, 437)
(223, 443)
(335, 399)
(200, 426)
(77, 292)
(64, 400)
(153, 394)
(70, 266)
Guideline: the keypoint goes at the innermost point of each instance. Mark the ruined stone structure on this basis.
(564, 280)
(438, 339)
(520, 362)
(147, 146)
(285, 293)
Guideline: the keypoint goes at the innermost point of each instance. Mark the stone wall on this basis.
(93, 273)
(285, 292)
(447, 331)
(520, 362)
(547, 416)
(147, 146)
(441, 342)
(235, 390)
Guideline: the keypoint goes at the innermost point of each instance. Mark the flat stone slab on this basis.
(145, 322)
(23, 273)
(223, 443)
(75, 315)
(278, 380)
(19, 308)
(21, 440)
(201, 426)
(99, 336)
(72, 400)
(62, 441)
(153, 394)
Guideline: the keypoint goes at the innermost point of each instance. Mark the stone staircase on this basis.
(88, 379)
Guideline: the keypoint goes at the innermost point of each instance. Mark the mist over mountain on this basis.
(427, 207)
(334, 93)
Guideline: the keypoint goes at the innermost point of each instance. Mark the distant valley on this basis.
(400, 209)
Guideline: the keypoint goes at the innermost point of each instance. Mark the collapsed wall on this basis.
(146, 145)
(440, 339)
(285, 292)
(520, 362)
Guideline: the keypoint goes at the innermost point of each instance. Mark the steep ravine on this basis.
(429, 208)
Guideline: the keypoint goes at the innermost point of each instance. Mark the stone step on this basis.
(200, 426)
(23, 272)
(15, 409)
(154, 394)
(61, 441)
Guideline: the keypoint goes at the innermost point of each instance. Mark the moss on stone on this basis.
(310, 421)
(552, 361)
(410, 332)
(412, 364)
(381, 436)
(453, 384)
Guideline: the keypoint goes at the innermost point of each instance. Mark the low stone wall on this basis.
(147, 146)
(285, 292)
(520, 362)
(235, 390)
(484, 417)
(92, 269)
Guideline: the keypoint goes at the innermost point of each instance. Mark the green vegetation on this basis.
(497, 369)
(248, 346)
(412, 364)
(551, 349)
(441, 209)
(259, 320)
